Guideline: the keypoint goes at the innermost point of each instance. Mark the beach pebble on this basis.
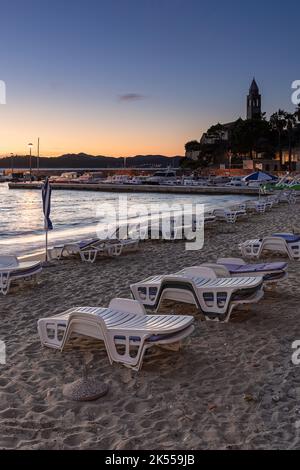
(291, 393)
(249, 397)
(276, 398)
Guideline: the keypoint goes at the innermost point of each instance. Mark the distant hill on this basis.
(82, 160)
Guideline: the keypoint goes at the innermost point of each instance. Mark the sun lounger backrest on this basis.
(238, 261)
(218, 269)
(276, 244)
(200, 271)
(288, 237)
(127, 305)
(85, 243)
(8, 261)
(221, 211)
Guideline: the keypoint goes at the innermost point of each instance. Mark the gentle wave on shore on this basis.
(74, 214)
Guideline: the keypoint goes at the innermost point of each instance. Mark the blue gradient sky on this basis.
(184, 64)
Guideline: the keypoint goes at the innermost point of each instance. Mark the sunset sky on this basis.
(126, 77)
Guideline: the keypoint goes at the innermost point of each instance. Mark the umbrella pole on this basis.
(46, 236)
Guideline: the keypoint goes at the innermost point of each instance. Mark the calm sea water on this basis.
(74, 214)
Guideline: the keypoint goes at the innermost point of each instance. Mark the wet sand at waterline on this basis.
(231, 386)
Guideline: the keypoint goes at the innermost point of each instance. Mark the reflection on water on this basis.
(73, 214)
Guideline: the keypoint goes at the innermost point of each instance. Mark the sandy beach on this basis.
(231, 386)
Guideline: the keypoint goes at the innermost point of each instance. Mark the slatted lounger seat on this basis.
(236, 267)
(214, 297)
(88, 250)
(124, 323)
(269, 203)
(228, 215)
(258, 206)
(209, 219)
(12, 271)
(282, 243)
(288, 197)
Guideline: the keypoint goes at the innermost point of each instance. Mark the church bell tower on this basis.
(253, 101)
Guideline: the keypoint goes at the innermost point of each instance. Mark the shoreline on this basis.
(140, 188)
(231, 386)
(83, 222)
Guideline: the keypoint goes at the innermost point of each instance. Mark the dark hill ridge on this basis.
(83, 160)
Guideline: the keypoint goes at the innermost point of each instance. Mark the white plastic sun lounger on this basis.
(288, 197)
(282, 243)
(12, 270)
(228, 215)
(214, 297)
(209, 219)
(236, 267)
(283, 196)
(123, 325)
(273, 199)
(269, 202)
(88, 250)
(256, 206)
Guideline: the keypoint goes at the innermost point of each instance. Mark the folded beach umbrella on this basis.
(46, 196)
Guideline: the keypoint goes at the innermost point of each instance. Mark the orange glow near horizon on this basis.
(117, 130)
(126, 149)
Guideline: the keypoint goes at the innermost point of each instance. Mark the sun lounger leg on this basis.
(88, 256)
(224, 318)
(114, 250)
(4, 283)
(126, 359)
(231, 218)
(103, 334)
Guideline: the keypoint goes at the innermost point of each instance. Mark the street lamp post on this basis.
(30, 163)
(38, 156)
(12, 164)
(229, 158)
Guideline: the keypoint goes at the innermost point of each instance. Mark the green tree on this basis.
(192, 145)
(249, 136)
(278, 123)
(216, 132)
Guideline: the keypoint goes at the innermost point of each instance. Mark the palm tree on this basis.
(297, 113)
(278, 123)
(290, 125)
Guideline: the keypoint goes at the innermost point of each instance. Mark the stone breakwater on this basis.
(142, 188)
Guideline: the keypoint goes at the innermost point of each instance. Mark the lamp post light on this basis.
(30, 163)
(12, 164)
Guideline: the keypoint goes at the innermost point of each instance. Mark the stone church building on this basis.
(253, 111)
(223, 135)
